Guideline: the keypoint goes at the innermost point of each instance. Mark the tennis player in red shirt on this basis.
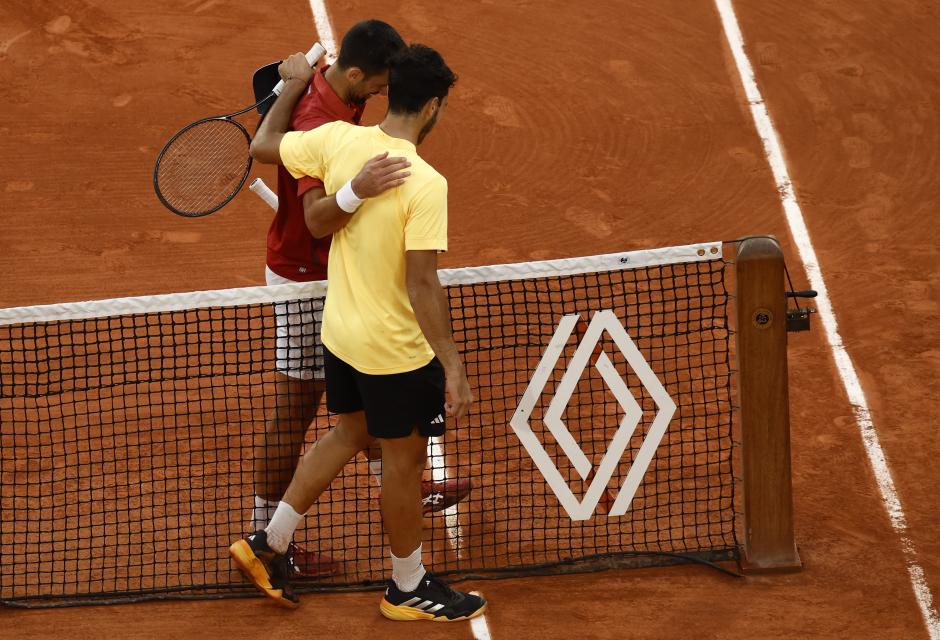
(337, 92)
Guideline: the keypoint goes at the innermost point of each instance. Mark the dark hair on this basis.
(418, 73)
(369, 45)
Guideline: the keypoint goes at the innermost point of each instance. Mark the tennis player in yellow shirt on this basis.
(392, 369)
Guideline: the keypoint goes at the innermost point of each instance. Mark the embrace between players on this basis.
(392, 371)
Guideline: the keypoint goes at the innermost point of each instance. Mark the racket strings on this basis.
(204, 167)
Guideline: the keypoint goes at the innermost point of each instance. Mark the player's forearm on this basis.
(326, 215)
(433, 313)
(266, 145)
(323, 216)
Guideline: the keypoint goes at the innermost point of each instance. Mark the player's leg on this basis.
(295, 406)
(298, 391)
(403, 411)
(261, 556)
(324, 461)
(405, 459)
(298, 388)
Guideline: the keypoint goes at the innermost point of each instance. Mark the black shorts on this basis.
(395, 404)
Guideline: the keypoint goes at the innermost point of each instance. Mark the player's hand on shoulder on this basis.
(379, 174)
(296, 67)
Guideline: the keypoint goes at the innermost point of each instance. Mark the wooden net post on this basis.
(765, 418)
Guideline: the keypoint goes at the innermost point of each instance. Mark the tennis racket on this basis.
(206, 163)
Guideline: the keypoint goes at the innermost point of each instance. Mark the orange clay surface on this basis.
(576, 128)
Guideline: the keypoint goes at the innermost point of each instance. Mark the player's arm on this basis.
(325, 215)
(433, 313)
(296, 73)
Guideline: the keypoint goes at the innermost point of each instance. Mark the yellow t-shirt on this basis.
(368, 321)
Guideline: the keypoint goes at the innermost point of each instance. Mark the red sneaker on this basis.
(437, 496)
(308, 564)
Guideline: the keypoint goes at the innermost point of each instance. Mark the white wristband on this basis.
(346, 198)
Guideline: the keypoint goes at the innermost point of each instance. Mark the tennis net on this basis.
(602, 431)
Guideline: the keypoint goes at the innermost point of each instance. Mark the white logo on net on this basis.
(584, 509)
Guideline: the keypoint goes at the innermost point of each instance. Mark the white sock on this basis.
(375, 467)
(407, 572)
(281, 528)
(262, 513)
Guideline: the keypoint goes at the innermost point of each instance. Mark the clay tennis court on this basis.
(571, 132)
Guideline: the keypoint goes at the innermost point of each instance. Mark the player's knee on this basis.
(404, 457)
(289, 417)
(353, 432)
(354, 439)
(297, 400)
(402, 466)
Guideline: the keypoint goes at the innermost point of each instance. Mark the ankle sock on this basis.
(282, 526)
(407, 572)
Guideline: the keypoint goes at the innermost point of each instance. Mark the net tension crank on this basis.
(798, 317)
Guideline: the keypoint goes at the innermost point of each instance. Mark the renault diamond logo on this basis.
(584, 509)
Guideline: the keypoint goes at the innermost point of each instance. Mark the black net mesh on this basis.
(130, 446)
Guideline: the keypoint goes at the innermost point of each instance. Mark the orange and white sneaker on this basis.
(432, 600)
(269, 571)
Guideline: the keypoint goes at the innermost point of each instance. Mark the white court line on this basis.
(850, 381)
(478, 625)
(324, 28)
(439, 474)
(481, 631)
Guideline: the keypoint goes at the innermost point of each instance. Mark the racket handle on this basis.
(316, 52)
(262, 191)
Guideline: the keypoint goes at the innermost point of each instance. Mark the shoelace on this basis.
(452, 593)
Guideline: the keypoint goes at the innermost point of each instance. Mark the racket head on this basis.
(202, 167)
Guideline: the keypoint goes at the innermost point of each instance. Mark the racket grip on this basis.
(316, 52)
(262, 191)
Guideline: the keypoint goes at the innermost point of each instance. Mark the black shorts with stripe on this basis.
(395, 404)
